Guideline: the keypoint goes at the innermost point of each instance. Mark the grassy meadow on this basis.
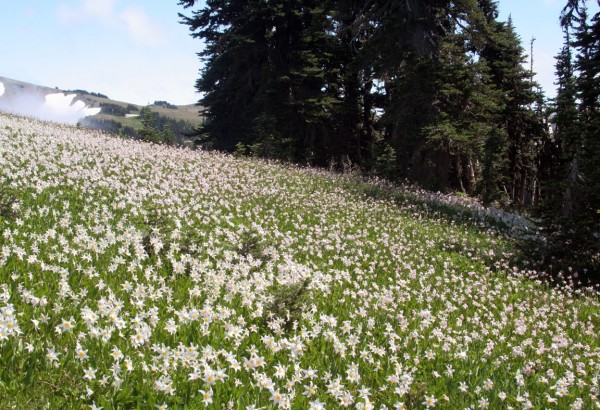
(136, 275)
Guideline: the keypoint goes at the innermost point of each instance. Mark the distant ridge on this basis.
(96, 99)
(14, 87)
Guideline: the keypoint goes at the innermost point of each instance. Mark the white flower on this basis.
(90, 374)
(207, 396)
(52, 355)
(430, 401)
(316, 405)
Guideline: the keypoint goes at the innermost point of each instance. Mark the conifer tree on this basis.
(264, 80)
(561, 148)
(587, 64)
(517, 117)
(235, 55)
(467, 104)
(402, 52)
(351, 79)
(571, 212)
(149, 132)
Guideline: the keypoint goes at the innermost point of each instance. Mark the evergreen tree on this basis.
(264, 80)
(402, 52)
(587, 64)
(235, 56)
(571, 216)
(466, 103)
(149, 132)
(299, 51)
(561, 149)
(158, 129)
(494, 164)
(523, 126)
(351, 81)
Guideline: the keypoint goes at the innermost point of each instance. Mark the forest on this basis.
(434, 92)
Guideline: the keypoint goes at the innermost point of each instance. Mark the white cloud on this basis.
(86, 10)
(67, 14)
(141, 28)
(100, 8)
(133, 20)
(1, 89)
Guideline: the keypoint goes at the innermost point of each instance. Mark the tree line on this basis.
(80, 91)
(434, 91)
(154, 126)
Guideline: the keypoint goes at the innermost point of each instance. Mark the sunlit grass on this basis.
(136, 275)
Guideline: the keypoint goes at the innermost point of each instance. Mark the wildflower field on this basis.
(141, 276)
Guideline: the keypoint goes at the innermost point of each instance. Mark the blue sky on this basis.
(539, 19)
(131, 50)
(136, 51)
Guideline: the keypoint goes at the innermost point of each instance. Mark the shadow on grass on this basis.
(565, 260)
(561, 261)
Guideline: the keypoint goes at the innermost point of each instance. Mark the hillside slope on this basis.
(19, 93)
(139, 275)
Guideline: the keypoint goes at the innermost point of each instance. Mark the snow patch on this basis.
(62, 106)
(58, 107)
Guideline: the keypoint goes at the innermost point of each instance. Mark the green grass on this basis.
(179, 273)
(133, 122)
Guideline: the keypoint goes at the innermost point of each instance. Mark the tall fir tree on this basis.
(352, 81)
(524, 127)
(465, 108)
(561, 148)
(234, 70)
(264, 81)
(572, 216)
(402, 51)
(587, 64)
